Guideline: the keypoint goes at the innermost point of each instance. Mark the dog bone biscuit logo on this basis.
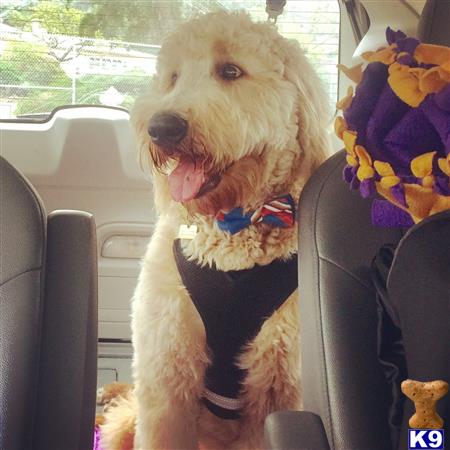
(424, 396)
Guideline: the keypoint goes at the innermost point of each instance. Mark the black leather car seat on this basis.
(338, 242)
(48, 321)
(433, 24)
(346, 394)
(343, 382)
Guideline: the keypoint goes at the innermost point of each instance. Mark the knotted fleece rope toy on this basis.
(396, 129)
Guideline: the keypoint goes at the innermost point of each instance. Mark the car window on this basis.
(67, 52)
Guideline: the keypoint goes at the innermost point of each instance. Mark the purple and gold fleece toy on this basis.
(396, 130)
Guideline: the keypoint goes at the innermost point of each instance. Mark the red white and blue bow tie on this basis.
(278, 212)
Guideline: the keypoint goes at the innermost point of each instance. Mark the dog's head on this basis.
(234, 114)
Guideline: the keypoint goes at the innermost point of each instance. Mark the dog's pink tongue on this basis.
(185, 181)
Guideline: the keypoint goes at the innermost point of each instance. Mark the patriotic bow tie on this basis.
(278, 212)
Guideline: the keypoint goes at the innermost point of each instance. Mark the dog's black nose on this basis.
(167, 128)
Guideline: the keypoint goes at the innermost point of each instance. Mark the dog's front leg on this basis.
(169, 352)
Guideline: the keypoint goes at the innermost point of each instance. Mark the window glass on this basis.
(55, 53)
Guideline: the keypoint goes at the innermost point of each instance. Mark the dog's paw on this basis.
(108, 393)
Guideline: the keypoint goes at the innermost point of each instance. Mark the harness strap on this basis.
(233, 306)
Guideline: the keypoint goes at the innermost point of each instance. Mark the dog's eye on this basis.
(173, 77)
(230, 72)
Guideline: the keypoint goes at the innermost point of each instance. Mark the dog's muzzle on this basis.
(167, 129)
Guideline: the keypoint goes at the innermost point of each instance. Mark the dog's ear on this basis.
(313, 111)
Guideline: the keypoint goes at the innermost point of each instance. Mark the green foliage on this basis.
(54, 16)
(88, 90)
(130, 84)
(141, 21)
(123, 20)
(26, 63)
(132, 20)
(39, 101)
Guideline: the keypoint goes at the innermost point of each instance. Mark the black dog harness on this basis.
(233, 306)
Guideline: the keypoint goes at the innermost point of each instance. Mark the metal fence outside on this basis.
(40, 71)
(38, 74)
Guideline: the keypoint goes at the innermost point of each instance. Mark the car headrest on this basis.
(433, 27)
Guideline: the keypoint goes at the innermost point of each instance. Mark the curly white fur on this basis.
(265, 132)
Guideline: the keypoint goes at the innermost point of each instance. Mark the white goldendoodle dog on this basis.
(234, 118)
